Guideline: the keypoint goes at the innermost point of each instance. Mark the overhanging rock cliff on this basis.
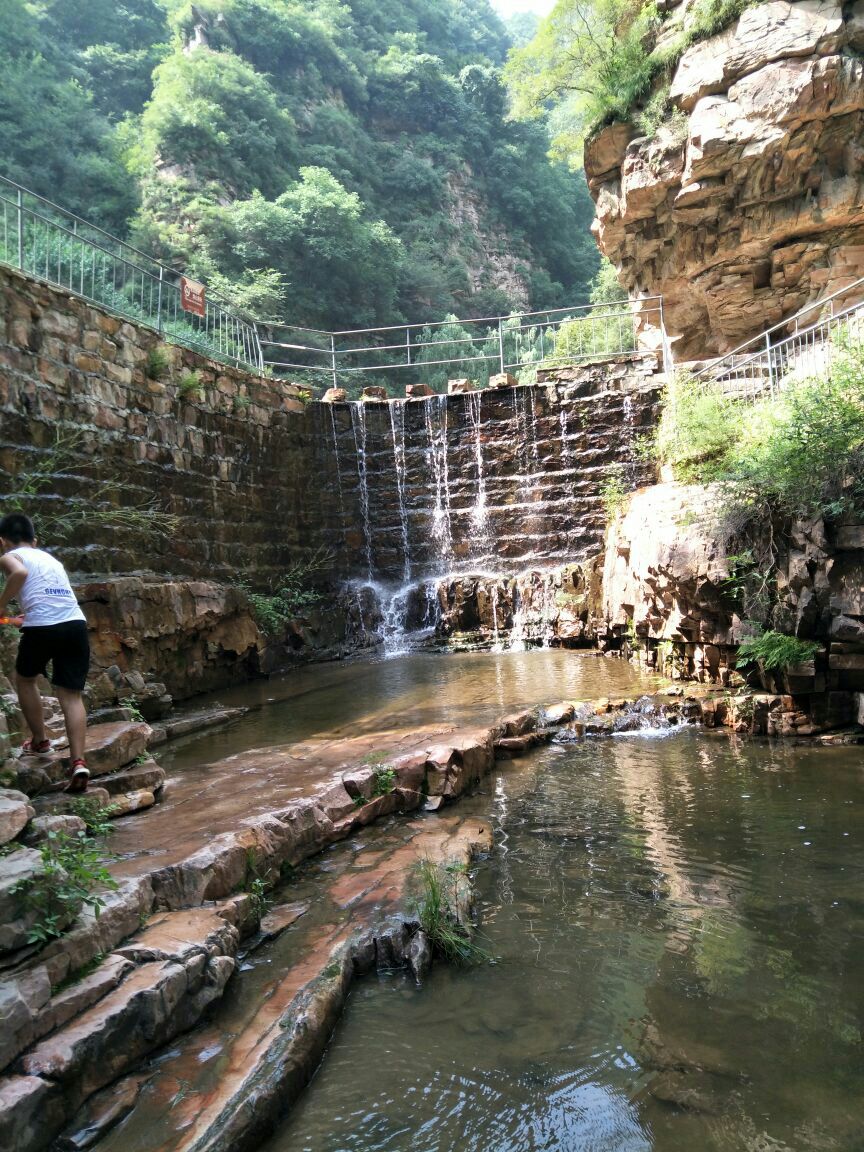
(748, 202)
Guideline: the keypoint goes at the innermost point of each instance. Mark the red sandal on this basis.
(33, 747)
(79, 777)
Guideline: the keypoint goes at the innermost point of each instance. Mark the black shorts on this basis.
(66, 645)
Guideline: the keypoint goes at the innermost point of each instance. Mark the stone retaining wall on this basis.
(257, 479)
(496, 481)
(229, 458)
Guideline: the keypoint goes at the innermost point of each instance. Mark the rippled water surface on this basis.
(678, 929)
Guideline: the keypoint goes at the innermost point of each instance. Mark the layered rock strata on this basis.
(71, 1031)
(669, 580)
(748, 203)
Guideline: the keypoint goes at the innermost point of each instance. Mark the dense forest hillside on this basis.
(332, 164)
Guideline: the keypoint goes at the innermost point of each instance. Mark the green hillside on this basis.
(325, 163)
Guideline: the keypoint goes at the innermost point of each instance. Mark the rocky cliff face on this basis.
(748, 203)
(670, 580)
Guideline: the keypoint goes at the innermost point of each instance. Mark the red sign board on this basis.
(192, 296)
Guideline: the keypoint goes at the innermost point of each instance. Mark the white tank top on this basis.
(47, 596)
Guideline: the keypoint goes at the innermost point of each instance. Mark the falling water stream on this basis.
(399, 628)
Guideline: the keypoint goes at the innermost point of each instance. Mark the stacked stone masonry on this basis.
(258, 479)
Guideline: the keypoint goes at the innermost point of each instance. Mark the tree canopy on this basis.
(327, 163)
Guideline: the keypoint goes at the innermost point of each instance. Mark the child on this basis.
(53, 628)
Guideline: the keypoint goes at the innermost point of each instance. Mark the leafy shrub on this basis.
(774, 650)
(73, 874)
(799, 452)
(291, 598)
(696, 427)
(593, 62)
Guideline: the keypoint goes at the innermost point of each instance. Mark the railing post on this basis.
(260, 353)
(408, 345)
(333, 361)
(159, 301)
(668, 362)
(770, 362)
(501, 343)
(20, 230)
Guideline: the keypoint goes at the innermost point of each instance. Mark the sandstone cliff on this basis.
(669, 578)
(748, 202)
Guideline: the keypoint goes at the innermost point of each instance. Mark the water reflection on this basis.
(678, 929)
(421, 689)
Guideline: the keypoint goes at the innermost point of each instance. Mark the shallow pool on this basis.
(678, 925)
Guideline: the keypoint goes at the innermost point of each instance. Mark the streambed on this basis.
(678, 925)
(677, 920)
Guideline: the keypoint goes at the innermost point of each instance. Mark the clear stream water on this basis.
(678, 925)
(677, 921)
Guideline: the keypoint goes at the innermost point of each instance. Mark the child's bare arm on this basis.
(15, 574)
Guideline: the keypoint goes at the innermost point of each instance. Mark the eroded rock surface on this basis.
(750, 203)
(667, 572)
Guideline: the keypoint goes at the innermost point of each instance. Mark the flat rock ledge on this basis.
(87, 1008)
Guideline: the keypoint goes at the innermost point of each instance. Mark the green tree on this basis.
(336, 263)
(591, 61)
(51, 135)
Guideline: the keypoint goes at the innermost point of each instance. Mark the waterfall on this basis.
(496, 639)
(338, 467)
(408, 614)
(478, 512)
(358, 425)
(535, 445)
(566, 451)
(517, 632)
(436, 431)
(399, 468)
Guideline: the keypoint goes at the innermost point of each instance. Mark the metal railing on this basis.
(43, 240)
(801, 345)
(520, 343)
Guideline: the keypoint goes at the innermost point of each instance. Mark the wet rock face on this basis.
(667, 569)
(191, 636)
(558, 607)
(497, 480)
(752, 204)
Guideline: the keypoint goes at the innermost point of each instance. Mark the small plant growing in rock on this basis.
(384, 780)
(774, 651)
(73, 873)
(189, 386)
(255, 885)
(291, 598)
(113, 502)
(131, 706)
(435, 909)
(614, 492)
(157, 364)
(96, 816)
(241, 403)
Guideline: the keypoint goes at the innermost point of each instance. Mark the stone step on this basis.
(19, 870)
(139, 997)
(271, 1034)
(108, 748)
(146, 774)
(15, 811)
